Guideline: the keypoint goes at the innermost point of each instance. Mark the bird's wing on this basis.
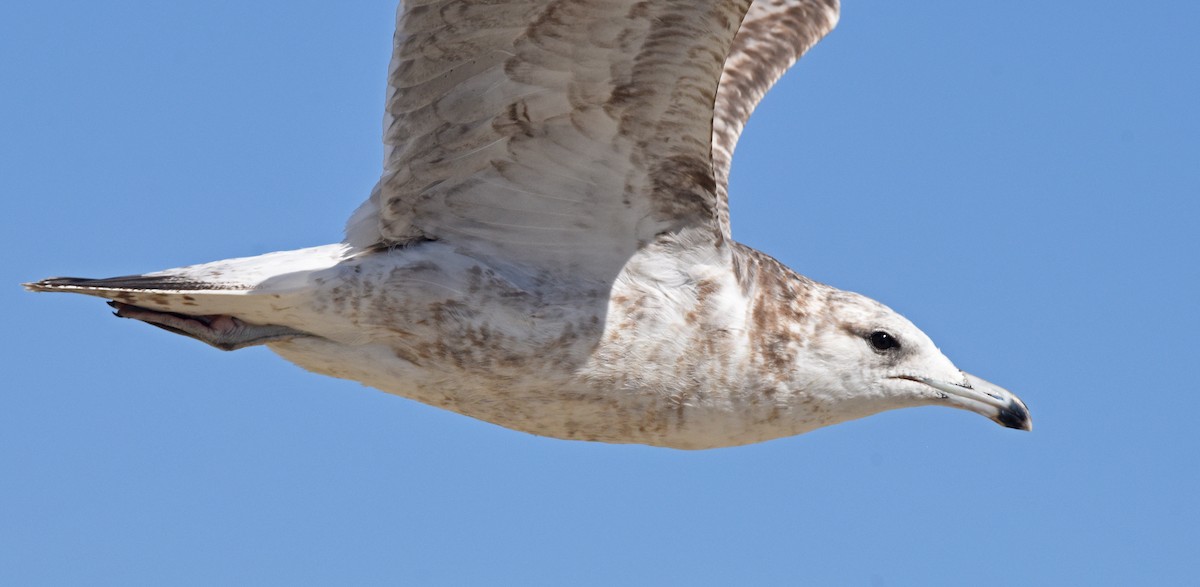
(566, 133)
(773, 35)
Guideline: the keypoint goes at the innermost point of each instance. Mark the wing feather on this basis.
(545, 131)
(568, 133)
(774, 34)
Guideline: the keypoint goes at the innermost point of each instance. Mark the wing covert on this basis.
(545, 130)
(567, 133)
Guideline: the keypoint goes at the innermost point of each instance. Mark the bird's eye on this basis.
(882, 341)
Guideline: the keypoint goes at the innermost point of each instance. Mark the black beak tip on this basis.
(1015, 415)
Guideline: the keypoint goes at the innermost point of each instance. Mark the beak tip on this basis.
(1015, 415)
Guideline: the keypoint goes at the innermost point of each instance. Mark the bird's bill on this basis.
(988, 399)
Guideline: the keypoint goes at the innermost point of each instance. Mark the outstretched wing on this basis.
(773, 35)
(560, 133)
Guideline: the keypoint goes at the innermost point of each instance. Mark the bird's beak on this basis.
(990, 400)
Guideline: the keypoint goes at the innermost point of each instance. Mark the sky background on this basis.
(1021, 179)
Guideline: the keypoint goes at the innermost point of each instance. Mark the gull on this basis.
(548, 247)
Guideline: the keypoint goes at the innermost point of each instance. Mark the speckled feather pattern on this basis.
(548, 247)
(565, 133)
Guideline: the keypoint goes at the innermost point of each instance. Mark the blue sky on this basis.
(1020, 179)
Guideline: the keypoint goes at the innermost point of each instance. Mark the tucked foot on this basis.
(224, 332)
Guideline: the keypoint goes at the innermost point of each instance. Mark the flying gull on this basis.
(548, 247)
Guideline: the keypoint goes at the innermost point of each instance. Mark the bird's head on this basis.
(893, 364)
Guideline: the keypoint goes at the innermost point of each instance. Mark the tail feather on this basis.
(255, 289)
(152, 282)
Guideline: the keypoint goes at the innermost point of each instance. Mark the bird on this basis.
(548, 246)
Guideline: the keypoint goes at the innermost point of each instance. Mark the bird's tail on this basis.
(255, 289)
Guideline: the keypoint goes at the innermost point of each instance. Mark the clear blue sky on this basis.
(1019, 178)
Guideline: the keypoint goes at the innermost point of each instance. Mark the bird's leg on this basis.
(224, 332)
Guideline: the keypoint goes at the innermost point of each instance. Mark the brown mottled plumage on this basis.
(548, 247)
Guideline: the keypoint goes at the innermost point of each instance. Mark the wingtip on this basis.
(54, 283)
(43, 285)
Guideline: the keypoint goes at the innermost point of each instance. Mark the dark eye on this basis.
(883, 341)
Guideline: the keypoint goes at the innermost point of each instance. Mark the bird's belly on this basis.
(549, 399)
(562, 361)
(522, 393)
